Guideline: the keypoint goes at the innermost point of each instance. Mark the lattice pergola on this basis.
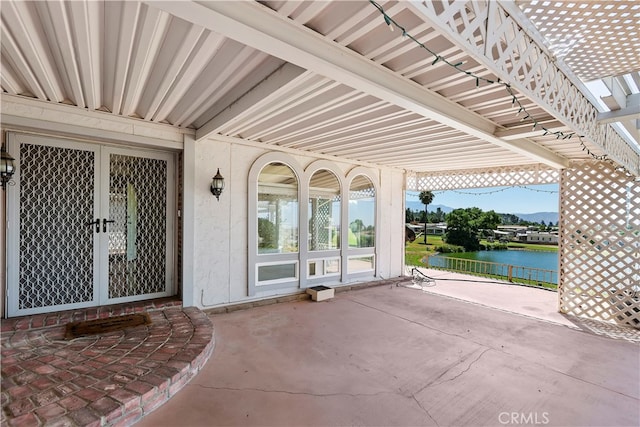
(489, 32)
(599, 276)
(600, 243)
(476, 178)
(575, 31)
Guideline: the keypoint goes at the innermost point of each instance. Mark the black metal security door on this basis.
(88, 225)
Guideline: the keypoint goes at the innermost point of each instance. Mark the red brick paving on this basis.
(111, 379)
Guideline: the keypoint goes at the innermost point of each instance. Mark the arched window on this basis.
(362, 213)
(324, 211)
(327, 242)
(325, 217)
(274, 242)
(277, 210)
(361, 231)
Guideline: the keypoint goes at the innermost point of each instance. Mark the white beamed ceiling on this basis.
(375, 98)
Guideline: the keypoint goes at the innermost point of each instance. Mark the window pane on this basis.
(324, 211)
(363, 263)
(276, 272)
(277, 210)
(323, 267)
(332, 266)
(312, 268)
(362, 209)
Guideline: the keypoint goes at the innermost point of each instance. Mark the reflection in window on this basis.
(323, 267)
(275, 272)
(332, 266)
(362, 208)
(277, 210)
(324, 211)
(362, 263)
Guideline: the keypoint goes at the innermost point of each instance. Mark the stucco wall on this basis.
(220, 252)
(215, 252)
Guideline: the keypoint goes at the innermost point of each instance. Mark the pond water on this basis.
(532, 259)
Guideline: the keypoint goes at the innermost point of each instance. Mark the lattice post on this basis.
(599, 244)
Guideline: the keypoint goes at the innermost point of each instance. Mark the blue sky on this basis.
(530, 199)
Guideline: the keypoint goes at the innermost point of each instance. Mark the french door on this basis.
(88, 225)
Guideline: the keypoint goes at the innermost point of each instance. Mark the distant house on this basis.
(437, 229)
(538, 237)
(502, 236)
(510, 231)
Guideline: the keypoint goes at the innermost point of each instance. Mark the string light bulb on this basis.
(388, 21)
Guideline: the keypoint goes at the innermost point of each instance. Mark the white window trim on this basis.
(255, 259)
(368, 270)
(358, 252)
(278, 281)
(304, 255)
(324, 267)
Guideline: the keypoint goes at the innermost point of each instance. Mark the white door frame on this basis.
(169, 225)
(100, 208)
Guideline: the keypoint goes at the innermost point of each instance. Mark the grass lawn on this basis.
(533, 247)
(415, 251)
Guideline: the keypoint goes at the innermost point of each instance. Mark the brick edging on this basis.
(90, 381)
(188, 365)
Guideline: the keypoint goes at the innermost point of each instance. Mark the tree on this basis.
(356, 225)
(463, 226)
(408, 215)
(460, 230)
(489, 220)
(267, 234)
(426, 197)
(355, 233)
(509, 219)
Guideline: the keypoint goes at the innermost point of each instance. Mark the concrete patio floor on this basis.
(451, 355)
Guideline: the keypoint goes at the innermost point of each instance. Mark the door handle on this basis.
(96, 222)
(104, 224)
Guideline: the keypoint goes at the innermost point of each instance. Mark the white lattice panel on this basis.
(579, 46)
(477, 178)
(600, 243)
(515, 57)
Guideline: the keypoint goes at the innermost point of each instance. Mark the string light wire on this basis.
(484, 193)
(515, 102)
(457, 66)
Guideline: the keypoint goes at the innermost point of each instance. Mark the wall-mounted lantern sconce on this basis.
(7, 168)
(217, 185)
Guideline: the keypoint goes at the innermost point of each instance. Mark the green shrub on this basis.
(450, 249)
(487, 246)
